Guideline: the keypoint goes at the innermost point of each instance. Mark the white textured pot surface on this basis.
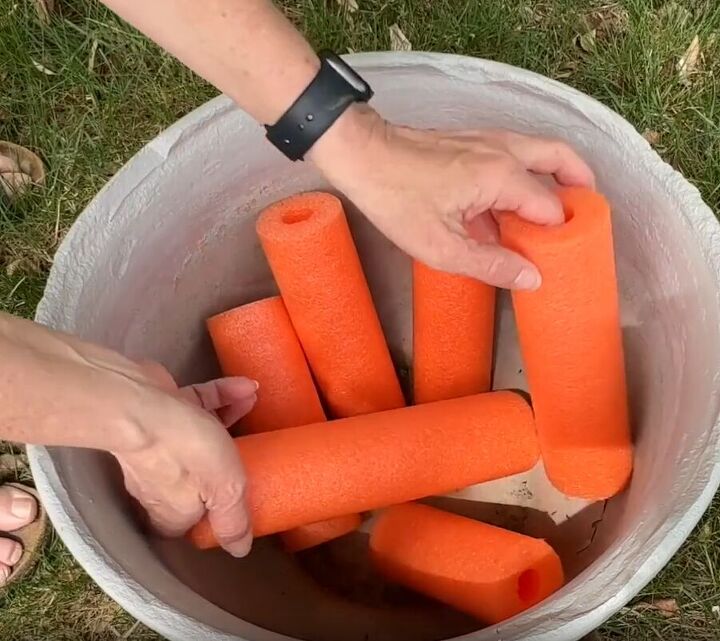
(170, 240)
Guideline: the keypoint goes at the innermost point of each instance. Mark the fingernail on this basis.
(257, 385)
(239, 548)
(22, 507)
(527, 279)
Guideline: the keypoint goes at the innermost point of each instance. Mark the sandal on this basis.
(20, 169)
(32, 537)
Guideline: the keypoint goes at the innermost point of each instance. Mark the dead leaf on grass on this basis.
(351, 6)
(690, 61)
(667, 608)
(398, 40)
(652, 136)
(42, 68)
(13, 267)
(586, 41)
(91, 57)
(566, 69)
(608, 19)
(536, 12)
(45, 8)
(12, 466)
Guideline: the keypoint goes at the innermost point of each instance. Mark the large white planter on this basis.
(170, 240)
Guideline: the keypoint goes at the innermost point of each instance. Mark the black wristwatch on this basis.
(335, 87)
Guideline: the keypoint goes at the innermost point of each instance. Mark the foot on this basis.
(17, 509)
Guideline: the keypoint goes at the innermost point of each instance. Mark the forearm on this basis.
(58, 390)
(246, 48)
(251, 52)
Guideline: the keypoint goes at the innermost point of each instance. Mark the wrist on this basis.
(349, 143)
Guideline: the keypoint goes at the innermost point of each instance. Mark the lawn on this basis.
(85, 92)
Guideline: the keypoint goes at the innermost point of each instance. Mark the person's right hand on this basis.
(435, 194)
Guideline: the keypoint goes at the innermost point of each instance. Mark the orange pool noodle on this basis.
(306, 474)
(453, 327)
(571, 344)
(480, 569)
(308, 536)
(308, 244)
(257, 340)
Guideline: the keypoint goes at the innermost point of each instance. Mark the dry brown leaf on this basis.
(667, 608)
(398, 40)
(13, 267)
(91, 57)
(12, 463)
(652, 136)
(42, 68)
(536, 12)
(351, 6)
(586, 41)
(688, 64)
(608, 19)
(45, 9)
(566, 69)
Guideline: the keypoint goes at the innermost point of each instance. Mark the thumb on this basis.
(229, 518)
(496, 265)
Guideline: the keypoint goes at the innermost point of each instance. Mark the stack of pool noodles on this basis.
(318, 352)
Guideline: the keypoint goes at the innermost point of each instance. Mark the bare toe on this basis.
(5, 573)
(10, 552)
(17, 509)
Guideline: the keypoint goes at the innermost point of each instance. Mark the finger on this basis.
(551, 157)
(229, 517)
(494, 265)
(221, 392)
(525, 195)
(233, 413)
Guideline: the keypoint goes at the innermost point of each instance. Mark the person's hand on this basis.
(176, 455)
(435, 194)
(190, 465)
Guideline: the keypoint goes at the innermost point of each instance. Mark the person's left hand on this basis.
(176, 480)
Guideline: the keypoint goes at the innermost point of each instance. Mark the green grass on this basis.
(112, 91)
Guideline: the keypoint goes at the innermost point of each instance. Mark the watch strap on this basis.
(313, 113)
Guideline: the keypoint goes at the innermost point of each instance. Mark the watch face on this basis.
(349, 75)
